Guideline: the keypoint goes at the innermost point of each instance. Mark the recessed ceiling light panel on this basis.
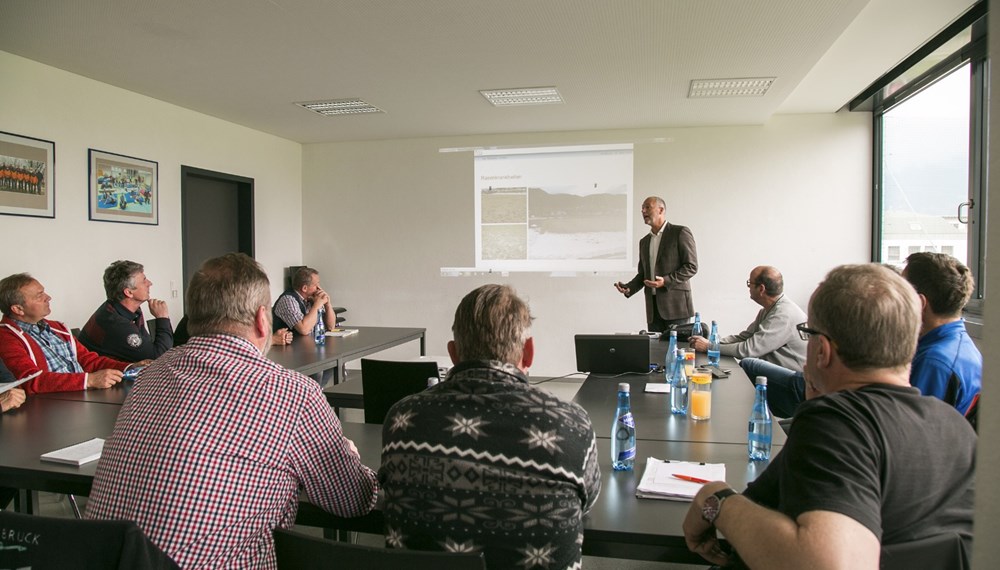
(340, 107)
(740, 87)
(522, 96)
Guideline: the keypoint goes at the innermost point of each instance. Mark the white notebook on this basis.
(659, 481)
(77, 454)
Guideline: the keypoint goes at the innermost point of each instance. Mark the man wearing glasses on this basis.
(771, 337)
(870, 461)
(947, 365)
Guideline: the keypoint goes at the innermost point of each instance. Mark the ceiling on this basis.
(618, 63)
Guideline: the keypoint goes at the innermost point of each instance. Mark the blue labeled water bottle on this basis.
(678, 386)
(668, 360)
(319, 332)
(623, 432)
(696, 327)
(713, 345)
(759, 429)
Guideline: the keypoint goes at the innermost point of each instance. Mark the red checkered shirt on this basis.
(212, 448)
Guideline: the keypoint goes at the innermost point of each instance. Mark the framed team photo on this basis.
(27, 176)
(123, 189)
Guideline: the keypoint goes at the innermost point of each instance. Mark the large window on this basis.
(929, 183)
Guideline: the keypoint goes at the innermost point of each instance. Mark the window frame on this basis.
(976, 54)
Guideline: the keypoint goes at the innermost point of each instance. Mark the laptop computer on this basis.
(612, 353)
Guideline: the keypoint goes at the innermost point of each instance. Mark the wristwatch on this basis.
(713, 504)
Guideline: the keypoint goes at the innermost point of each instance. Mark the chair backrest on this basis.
(31, 541)
(339, 311)
(386, 382)
(300, 552)
(972, 414)
(941, 552)
(952, 389)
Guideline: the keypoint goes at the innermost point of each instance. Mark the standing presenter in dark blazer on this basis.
(668, 259)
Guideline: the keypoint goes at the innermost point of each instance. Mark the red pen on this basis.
(690, 478)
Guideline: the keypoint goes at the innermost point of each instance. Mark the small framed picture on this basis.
(27, 176)
(123, 189)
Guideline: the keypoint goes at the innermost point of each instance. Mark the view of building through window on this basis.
(925, 171)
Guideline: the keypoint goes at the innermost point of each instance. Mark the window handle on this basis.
(969, 205)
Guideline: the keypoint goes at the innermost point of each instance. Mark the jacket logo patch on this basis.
(134, 340)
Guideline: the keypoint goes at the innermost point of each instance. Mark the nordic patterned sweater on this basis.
(485, 462)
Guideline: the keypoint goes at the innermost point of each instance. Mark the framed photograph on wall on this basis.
(123, 189)
(27, 176)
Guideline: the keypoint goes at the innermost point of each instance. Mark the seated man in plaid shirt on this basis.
(216, 442)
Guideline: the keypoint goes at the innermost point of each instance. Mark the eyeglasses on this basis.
(749, 284)
(805, 332)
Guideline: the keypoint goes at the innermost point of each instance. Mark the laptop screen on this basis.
(612, 353)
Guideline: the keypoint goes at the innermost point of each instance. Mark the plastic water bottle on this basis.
(713, 345)
(623, 432)
(668, 360)
(759, 429)
(432, 381)
(696, 327)
(679, 387)
(319, 333)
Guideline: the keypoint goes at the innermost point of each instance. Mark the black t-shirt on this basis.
(897, 462)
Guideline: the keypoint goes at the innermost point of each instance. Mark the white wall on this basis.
(382, 217)
(68, 254)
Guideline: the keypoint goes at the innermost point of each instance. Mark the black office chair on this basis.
(385, 382)
(942, 552)
(32, 541)
(972, 414)
(339, 311)
(297, 551)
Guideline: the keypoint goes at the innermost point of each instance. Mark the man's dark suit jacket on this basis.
(677, 263)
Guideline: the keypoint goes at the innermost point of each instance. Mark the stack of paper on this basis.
(77, 454)
(8, 385)
(341, 332)
(660, 480)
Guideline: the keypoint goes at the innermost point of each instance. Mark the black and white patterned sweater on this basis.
(485, 462)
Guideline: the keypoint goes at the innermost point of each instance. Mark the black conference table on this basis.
(620, 525)
(302, 355)
(732, 400)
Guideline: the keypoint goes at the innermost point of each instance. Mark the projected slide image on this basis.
(592, 226)
(554, 208)
(504, 205)
(505, 242)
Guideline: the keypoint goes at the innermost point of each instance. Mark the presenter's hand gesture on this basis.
(654, 283)
(104, 378)
(622, 288)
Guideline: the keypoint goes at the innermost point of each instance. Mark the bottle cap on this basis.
(714, 322)
(762, 380)
(673, 333)
(623, 387)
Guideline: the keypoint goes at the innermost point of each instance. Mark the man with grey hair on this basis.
(215, 443)
(868, 462)
(303, 305)
(771, 336)
(485, 462)
(668, 259)
(117, 328)
(33, 346)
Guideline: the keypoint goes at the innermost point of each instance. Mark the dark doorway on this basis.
(216, 216)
